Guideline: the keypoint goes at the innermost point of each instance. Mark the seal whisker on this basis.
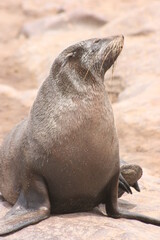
(87, 73)
(105, 59)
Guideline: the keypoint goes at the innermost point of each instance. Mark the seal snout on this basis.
(110, 50)
(118, 42)
(121, 40)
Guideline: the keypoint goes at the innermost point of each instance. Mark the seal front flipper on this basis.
(31, 207)
(112, 210)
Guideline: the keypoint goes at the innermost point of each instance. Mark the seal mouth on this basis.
(110, 51)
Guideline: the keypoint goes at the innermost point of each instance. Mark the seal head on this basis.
(92, 57)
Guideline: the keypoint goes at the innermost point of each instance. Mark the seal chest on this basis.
(79, 161)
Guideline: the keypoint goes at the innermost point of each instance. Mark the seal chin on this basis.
(110, 50)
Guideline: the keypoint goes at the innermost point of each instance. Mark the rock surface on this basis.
(134, 86)
(61, 22)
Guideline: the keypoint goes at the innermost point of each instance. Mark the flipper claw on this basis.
(124, 185)
(136, 187)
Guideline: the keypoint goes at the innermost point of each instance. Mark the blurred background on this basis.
(33, 32)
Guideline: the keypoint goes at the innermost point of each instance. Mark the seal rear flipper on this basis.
(136, 216)
(31, 207)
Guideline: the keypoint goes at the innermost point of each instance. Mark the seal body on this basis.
(65, 156)
(59, 142)
(75, 167)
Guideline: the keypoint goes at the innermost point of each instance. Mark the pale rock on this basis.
(36, 8)
(138, 22)
(71, 21)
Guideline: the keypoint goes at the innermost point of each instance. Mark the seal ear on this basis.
(68, 57)
(31, 207)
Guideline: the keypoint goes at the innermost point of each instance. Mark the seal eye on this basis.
(97, 41)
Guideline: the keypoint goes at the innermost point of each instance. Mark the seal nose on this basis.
(119, 41)
(120, 38)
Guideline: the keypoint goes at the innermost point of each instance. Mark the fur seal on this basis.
(65, 156)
